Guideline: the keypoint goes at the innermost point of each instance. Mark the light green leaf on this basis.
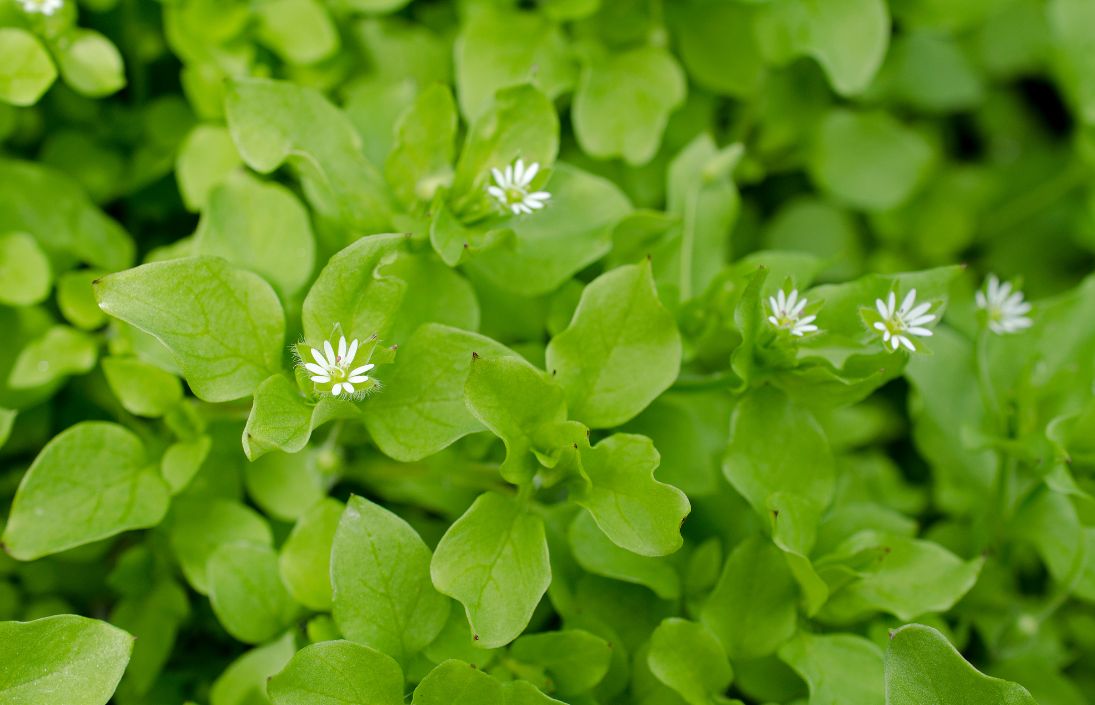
(63, 659)
(352, 292)
(421, 159)
(90, 63)
(225, 326)
(523, 123)
(200, 525)
(90, 482)
(25, 272)
(869, 159)
(285, 485)
(633, 509)
(421, 410)
(841, 669)
(907, 577)
(624, 100)
(500, 48)
(922, 668)
(305, 561)
(60, 352)
(143, 389)
(718, 45)
(282, 419)
(246, 591)
(458, 683)
(76, 299)
(377, 6)
(380, 570)
(26, 70)
(796, 461)
(241, 219)
(56, 210)
(596, 554)
(572, 232)
(182, 460)
(336, 673)
(519, 404)
(244, 681)
(621, 350)
(153, 618)
(300, 31)
(575, 660)
(689, 659)
(206, 157)
(273, 122)
(494, 560)
(753, 609)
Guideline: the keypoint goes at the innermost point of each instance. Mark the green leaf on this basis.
(575, 660)
(182, 461)
(572, 232)
(596, 554)
(904, 576)
(633, 509)
(335, 673)
(869, 159)
(60, 352)
(688, 658)
(90, 482)
(352, 293)
(599, 371)
(305, 560)
(421, 160)
(200, 525)
(26, 70)
(246, 591)
(499, 48)
(244, 681)
(56, 210)
(300, 31)
(143, 389)
(225, 326)
(841, 669)
(380, 570)
(795, 462)
(494, 560)
(519, 404)
(242, 216)
(282, 419)
(522, 122)
(273, 122)
(76, 299)
(284, 486)
(153, 618)
(25, 272)
(753, 609)
(421, 410)
(206, 157)
(922, 668)
(69, 659)
(624, 100)
(458, 683)
(718, 45)
(90, 63)
(705, 203)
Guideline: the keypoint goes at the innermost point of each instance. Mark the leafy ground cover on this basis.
(596, 352)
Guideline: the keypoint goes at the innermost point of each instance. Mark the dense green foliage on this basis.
(596, 352)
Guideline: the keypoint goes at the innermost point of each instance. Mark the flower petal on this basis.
(330, 351)
(319, 358)
(337, 389)
(348, 387)
(315, 369)
(350, 354)
(322, 379)
(362, 370)
(359, 379)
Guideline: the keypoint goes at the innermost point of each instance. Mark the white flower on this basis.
(1005, 308)
(45, 7)
(332, 368)
(511, 188)
(787, 313)
(898, 324)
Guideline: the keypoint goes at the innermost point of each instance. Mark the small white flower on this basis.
(1005, 308)
(45, 7)
(331, 367)
(787, 313)
(511, 188)
(898, 324)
